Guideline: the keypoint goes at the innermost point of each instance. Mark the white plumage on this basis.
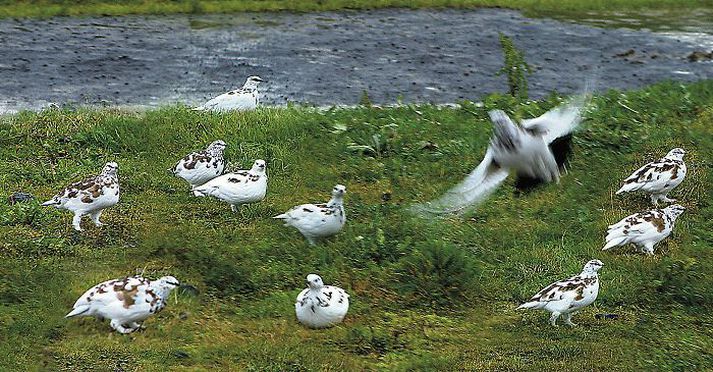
(644, 229)
(237, 188)
(202, 166)
(245, 98)
(658, 177)
(90, 196)
(565, 297)
(524, 148)
(316, 221)
(126, 302)
(319, 305)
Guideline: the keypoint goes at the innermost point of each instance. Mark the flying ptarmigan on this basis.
(319, 305)
(237, 188)
(566, 297)
(127, 301)
(644, 229)
(245, 98)
(89, 197)
(658, 177)
(317, 221)
(524, 148)
(202, 166)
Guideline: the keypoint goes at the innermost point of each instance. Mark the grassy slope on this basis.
(424, 295)
(49, 8)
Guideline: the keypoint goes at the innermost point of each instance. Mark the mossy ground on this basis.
(425, 295)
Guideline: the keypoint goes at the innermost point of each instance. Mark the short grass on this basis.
(50, 8)
(426, 295)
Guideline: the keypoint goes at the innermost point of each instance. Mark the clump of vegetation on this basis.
(437, 274)
(680, 280)
(515, 68)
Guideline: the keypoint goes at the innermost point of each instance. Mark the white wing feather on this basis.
(479, 184)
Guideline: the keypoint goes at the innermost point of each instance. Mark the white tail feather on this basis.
(79, 310)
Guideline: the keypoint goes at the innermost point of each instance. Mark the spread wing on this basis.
(479, 184)
(560, 121)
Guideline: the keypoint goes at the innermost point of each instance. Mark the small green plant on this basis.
(679, 282)
(364, 100)
(515, 68)
(438, 274)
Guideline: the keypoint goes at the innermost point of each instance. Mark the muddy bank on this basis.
(323, 58)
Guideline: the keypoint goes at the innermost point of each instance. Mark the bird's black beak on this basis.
(177, 284)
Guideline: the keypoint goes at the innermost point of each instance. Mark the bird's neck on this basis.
(249, 87)
(335, 202)
(588, 274)
(161, 291)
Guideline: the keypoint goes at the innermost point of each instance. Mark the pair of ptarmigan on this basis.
(646, 229)
(203, 170)
(128, 301)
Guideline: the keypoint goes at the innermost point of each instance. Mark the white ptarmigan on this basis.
(658, 177)
(644, 229)
(319, 305)
(316, 221)
(126, 302)
(524, 148)
(245, 98)
(565, 297)
(237, 188)
(90, 196)
(202, 166)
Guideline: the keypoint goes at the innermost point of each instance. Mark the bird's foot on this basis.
(668, 200)
(120, 327)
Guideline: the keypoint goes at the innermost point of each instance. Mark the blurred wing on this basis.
(560, 121)
(479, 184)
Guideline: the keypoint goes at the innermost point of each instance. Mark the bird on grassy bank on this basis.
(523, 148)
(316, 221)
(659, 177)
(319, 305)
(644, 229)
(126, 302)
(90, 196)
(237, 188)
(566, 297)
(202, 166)
(245, 98)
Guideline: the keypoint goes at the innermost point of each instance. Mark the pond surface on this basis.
(330, 58)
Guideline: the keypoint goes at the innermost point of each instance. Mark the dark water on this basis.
(325, 58)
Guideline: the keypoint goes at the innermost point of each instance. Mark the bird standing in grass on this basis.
(90, 196)
(659, 177)
(644, 229)
(245, 98)
(316, 221)
(126, 302)
(565, 297)
(237, 188)
(202, 166)
(319, 305)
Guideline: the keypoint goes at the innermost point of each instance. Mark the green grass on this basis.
(425, 295)
(50, 8)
